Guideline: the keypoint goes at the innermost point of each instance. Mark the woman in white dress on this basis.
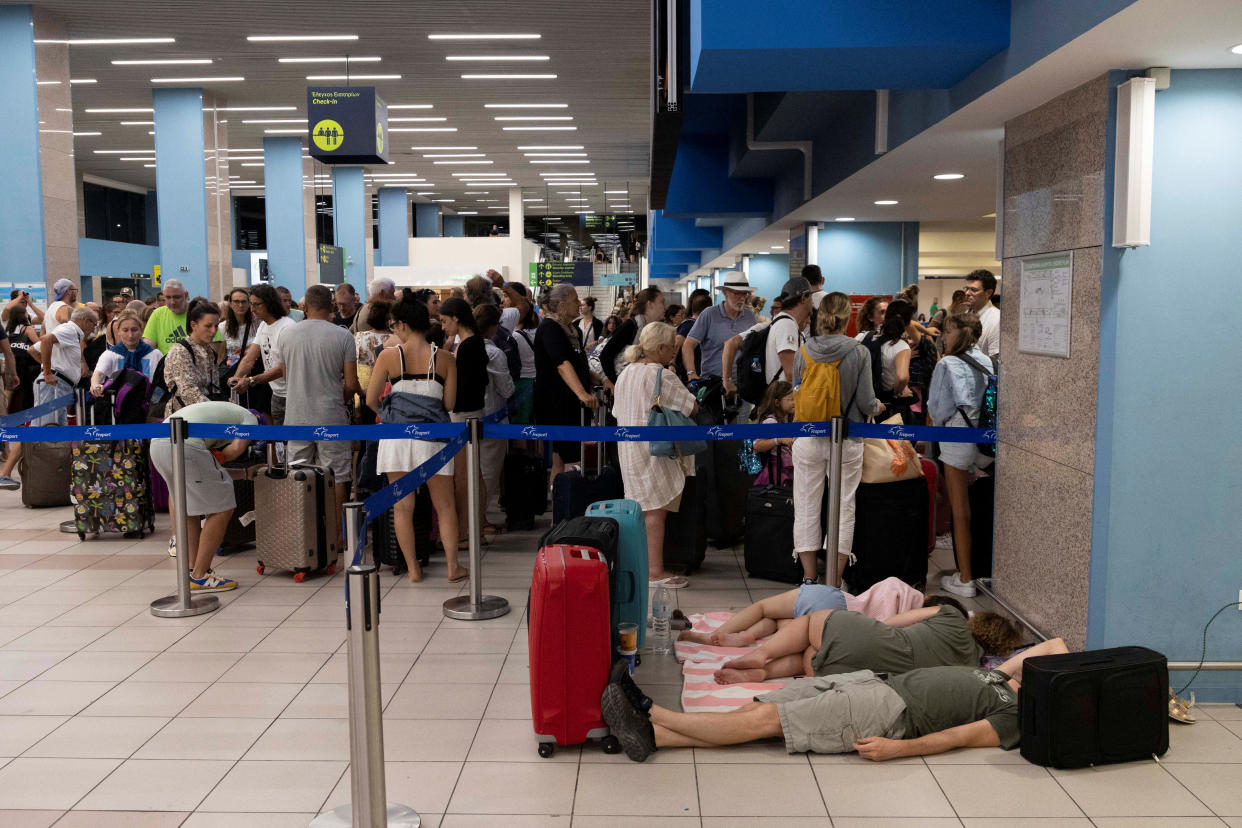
(438, 382)
(656, 483)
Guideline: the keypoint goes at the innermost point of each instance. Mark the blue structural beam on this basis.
(284, 210)
(426, 220)
(181, 181)
(785, 45)
(350, 220)
(394, 227)
(21, 209)
(669, 233)
(454, 225)
(700, 185)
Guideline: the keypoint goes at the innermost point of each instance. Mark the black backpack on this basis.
(504, 341)
(873, 344)
(752, 373)
(159, 393)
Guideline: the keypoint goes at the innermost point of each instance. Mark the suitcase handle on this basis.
(586, 554)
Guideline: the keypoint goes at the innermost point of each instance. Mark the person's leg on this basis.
(851, 476)
(746, 724)
(10, 463)
(403, 520)
(750, 624)
(440, 486)
(209, 539)
(957, 482)
(194, 528)
(810, 471)
(791, 640)
(655, 520)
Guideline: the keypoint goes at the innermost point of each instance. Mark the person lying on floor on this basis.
(828, 642)
(925, 711)
(764, 617)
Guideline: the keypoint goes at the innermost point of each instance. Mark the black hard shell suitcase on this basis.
(685, 541)
(1094, 707)
(573, 491)
(982, 495)
(239, 535)
(725, 486)
(525, 494)
(769, 534)
(385, 550)
(890, 534)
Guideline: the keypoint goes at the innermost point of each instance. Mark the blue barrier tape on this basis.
(386, 498)
(329, 433)
(35, 413)
(85, 434)
(734, 432)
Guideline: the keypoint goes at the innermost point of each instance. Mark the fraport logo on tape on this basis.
(234, 431)
(811, 428)
(324, 434)
(8, 435)
(96, 433)
(625, 434)
(717, 431)
(990, 435)
(532, 433)
(415, 431)
(899, 433)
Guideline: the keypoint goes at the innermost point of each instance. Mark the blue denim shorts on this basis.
(814, 597)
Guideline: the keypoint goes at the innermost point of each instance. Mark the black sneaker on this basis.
(621, 677)
(631, 727)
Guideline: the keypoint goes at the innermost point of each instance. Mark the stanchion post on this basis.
(476, 606)
(368, 807)
(80, 406)
(354, 518)
(834, 500)
(181, 605)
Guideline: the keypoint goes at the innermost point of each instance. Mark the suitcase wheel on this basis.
(611, 744)
(259, 568)
(299, 577)
(546, 749)
(81, 536)
(331, 570)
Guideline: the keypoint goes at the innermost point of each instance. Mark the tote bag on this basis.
(660, 416)
(887, 461)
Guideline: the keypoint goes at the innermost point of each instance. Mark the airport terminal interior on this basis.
(1052, 186)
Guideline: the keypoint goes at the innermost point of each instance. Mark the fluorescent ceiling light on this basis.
(552, 174)
(123, 152)
(555, 154)
(457, 155)
(532, 199)
(296, 38)
(351, 77)
(149, 166)
(221, 79)
(476, 192)
(616, 192)
(391, 175)
(497, 57)
(255, 108)
(778, 247)
(486, 200)
(1237, 50)
(541, 129)
(507, 77)
(47, 83)
(162, 62)
(298, 131)
(422, 129)
(559, 161)
(554, 147)
(118, 111)
(109, 41)
(483, 36)
(444, 148)
(533, 118)
(459, 163)
(275, 121)
(886, 203)
(948, 176)
(764, 252)
(584, 212)
(253, 164)
(411, 106)
(415, 120)
(79, 134)
(525, 106)
(83, 80)
(844, 218)
(138, 158)
(467, 212)
(482, 175)
(137, 123)
(444, 200)
(329, 60)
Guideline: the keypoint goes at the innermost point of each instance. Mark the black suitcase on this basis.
(726, 487)
(982, 495)
(600, 533)
(890, 534)
(769, 534)
(385, 550)
(685, 541)
(1094, 707)
(573, 491)
(525, 494)
(238, 536)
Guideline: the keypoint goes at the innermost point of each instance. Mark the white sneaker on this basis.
(953, 583)
(944, 541)
(172, 547)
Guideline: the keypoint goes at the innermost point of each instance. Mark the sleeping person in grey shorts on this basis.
(925, 711)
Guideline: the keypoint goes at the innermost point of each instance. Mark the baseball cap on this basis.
(61, 287)
(794, 289)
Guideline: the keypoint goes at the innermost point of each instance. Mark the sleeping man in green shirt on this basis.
(924, 711)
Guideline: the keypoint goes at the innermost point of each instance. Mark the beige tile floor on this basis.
(111, 717)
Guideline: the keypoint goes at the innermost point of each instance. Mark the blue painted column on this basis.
(394, 227)
(21, 208)
(181, 181)
(454, 225)
(426, 220)
(349, 213)
(285, 212)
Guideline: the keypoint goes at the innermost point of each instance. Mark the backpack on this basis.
(873, 345)
(752, 375)
(504, 341)
(987, 409)
(818, 397)
(131, 403)
(159, 393)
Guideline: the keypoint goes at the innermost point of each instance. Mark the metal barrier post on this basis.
(476, 606)
(369, 806)
(834, 500)
(80, 406)
(181, 605)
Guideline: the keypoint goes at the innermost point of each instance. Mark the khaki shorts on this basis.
(829, 714)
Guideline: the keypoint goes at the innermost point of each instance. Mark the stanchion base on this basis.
(399, 816)
(170, 606)
(463, 609)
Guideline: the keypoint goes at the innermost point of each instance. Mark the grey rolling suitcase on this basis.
(296, 520)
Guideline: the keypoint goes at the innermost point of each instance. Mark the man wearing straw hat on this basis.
(718, 324)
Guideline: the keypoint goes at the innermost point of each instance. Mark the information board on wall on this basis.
(1044, 305)
(346, 125)
(331, 264)
(618, 279)
(599, 224)
(547, 274)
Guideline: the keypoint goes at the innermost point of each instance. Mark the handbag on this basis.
(660, 416)
(887, 461)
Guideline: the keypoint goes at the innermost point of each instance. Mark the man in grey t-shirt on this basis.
(321, 371)
(718, 324)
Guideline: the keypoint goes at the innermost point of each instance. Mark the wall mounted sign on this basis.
(618, 279)
(346, 125)
(1044, 305)
(547, 274)
(331, 264)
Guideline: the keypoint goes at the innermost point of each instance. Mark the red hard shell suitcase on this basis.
(569, 642)
(930, 474)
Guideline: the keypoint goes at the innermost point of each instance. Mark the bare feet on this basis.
(726, 675)
(416, 574)
(696, 637)
(737, 639)
(462, 574)
(749, 661)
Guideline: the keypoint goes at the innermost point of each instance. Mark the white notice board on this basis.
(1044, 305)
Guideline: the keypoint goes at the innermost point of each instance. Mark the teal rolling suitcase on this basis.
(631, 560)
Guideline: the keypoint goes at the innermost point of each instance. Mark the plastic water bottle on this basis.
(661, 613)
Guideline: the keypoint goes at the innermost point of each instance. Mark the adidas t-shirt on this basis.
(165, 329)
